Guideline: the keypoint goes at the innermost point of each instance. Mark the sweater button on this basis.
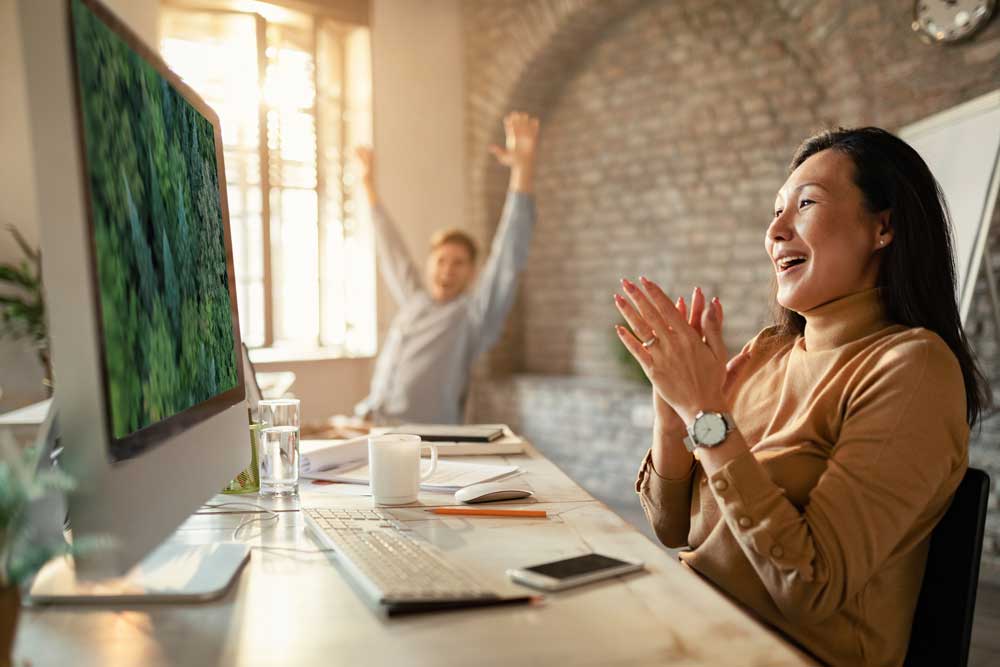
(777, 551)
(720, 485)
(745, 522)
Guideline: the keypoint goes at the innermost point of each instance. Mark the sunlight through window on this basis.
(305, 266)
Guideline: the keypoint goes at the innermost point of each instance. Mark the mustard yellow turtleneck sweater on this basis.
(858, 440)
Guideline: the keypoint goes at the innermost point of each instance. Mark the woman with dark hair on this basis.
(807, 474)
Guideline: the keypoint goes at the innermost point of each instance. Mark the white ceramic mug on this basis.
(394, 467)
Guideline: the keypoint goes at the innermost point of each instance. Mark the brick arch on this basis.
(553, 36)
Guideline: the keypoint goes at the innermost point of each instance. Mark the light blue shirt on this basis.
(422, 372)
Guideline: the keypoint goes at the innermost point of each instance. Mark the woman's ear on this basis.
(884, 233)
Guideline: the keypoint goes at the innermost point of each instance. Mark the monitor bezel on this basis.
(122, 449)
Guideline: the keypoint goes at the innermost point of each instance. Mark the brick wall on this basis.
(666, 130)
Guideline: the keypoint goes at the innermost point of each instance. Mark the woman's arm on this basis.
(664, 482)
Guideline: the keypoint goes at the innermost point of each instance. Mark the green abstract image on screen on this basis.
(150, 161)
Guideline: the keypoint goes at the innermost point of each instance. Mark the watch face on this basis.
(710, 429)
(950, 20)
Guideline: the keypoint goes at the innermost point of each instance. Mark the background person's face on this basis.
(822, 241)
(449, 271)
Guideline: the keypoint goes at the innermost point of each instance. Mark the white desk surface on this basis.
(296, 609)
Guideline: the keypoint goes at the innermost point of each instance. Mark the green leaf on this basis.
(18, 275)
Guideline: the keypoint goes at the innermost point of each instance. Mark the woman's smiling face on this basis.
(823, 241)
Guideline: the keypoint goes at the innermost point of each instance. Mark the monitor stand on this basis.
(174, 572)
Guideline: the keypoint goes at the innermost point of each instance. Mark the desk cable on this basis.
(270, 515)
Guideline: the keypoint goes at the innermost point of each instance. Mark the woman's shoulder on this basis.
(901, 342)
(919, 351)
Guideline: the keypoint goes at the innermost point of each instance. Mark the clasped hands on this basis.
(681, 351)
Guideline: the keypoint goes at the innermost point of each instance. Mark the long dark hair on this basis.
(892, 176)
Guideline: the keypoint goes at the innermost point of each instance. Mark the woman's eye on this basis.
(804, 202)
(778, 212)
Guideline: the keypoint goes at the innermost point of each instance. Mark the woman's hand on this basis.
(684, 357)
(521, 139)
(667, 420)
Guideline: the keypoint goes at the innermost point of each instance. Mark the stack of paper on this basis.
(449, 475)
(315, 455)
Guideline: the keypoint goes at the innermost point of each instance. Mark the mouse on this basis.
(489, 492)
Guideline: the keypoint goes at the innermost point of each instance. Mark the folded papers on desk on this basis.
(316, 455)
(449, 476)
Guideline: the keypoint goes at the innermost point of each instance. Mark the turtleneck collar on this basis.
(844, 320)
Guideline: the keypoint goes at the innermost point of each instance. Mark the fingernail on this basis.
(628, 285)
(680, 301)
(715, 300)
(697, 290)
(644, 280)
(618, 298)
(619, 330)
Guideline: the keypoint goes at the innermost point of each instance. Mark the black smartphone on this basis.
(569, 572)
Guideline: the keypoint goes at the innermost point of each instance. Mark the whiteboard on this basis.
(962, 147)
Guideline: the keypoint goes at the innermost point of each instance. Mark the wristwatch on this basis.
(709, 429)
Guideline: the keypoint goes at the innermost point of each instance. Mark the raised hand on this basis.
(518, 153)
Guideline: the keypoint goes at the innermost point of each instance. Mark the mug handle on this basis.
(434, 460)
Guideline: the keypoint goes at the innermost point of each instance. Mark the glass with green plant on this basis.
(22, 303)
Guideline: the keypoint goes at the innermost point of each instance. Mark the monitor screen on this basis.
(162, 258)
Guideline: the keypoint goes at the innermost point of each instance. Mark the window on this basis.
(293, 92)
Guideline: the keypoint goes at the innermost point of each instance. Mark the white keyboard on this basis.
(397, 569)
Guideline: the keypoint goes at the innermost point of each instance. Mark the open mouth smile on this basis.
(789, 262)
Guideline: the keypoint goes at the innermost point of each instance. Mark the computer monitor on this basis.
(138, 273)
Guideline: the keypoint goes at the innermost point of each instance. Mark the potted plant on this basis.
(22, 303)
(23, 547)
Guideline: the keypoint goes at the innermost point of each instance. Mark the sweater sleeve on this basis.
(494, 293)
(900, 452)
(666, 502)
(395, 263)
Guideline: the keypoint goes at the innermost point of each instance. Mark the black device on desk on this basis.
(569, 572)
(451, 433)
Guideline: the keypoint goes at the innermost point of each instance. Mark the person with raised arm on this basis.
(447, 317)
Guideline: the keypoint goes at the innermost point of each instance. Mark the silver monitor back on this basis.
(136, 501)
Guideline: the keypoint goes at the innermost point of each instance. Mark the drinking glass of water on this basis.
(279, 447)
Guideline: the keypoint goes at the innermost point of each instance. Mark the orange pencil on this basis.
(469, 511)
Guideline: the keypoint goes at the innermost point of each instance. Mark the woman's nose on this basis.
(780, 228)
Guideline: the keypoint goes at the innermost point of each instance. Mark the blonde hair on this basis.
(458, 237)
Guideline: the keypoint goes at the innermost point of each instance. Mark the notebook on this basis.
(453, 433)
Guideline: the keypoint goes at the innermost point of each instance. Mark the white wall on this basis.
(417, 67)
(20, 373)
